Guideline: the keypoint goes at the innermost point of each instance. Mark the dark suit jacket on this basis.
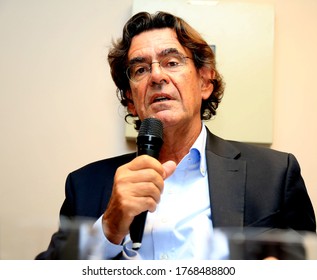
(249, 186)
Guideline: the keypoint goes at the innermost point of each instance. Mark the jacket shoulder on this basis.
(240, 150)
(108, 165)
(89, 188)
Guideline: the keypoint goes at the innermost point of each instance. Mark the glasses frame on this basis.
(148, 66)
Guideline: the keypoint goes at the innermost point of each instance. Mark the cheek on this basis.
(134, 94)
(137, 97)
(187, 86)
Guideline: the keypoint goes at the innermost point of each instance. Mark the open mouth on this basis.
(160, 98)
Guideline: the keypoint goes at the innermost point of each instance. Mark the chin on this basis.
(167, 117)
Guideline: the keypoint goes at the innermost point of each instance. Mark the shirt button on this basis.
(164, 257)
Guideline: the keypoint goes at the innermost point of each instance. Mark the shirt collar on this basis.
(200, 146)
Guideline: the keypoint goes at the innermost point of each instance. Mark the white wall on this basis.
(59, 110)
(295, 128)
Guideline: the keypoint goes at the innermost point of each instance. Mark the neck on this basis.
(177, 145)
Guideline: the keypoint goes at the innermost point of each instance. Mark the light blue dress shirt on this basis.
(181, 227)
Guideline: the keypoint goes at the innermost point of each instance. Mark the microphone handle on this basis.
(137, 230)
(138, 223)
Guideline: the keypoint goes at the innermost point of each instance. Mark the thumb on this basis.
(169, 168)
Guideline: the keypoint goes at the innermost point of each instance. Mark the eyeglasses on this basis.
(169, 64)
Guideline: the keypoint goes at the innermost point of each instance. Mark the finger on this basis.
(145, 204)
(146, 162)
(130, 180)
(169, 167)
(146, 189)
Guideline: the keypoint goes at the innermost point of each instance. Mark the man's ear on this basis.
(131, 107)
(206, 75)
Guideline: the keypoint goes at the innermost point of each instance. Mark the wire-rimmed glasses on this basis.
(170, 63)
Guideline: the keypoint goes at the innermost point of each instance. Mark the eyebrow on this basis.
(138, 59)
(168, 51)
(163, 53)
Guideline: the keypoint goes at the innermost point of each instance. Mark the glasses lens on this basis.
(137, 72)
(172, 63)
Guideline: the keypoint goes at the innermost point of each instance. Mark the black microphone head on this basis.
(151, 126)
(150, 138)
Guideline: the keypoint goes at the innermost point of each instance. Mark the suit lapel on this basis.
(226, 177)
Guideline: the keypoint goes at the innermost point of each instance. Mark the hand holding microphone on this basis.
(137, 188)
(149, 142)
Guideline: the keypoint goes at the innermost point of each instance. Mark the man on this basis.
(164, 69)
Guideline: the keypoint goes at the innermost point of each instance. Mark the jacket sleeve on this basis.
(64, 242)
(297, 208)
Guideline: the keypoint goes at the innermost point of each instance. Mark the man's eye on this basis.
(140, 70)
(172, 64)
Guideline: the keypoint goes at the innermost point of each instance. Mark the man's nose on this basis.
(157, 74)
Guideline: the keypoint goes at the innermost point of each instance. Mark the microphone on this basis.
(149, 142)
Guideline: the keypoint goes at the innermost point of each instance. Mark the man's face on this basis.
(174, 98)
